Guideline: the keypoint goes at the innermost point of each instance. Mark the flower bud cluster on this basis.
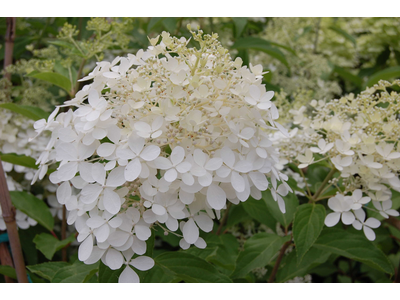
(358, 136)
(162, 137)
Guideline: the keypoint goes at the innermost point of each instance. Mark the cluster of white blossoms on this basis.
(358, 136)
(15, 131)
(163, 137)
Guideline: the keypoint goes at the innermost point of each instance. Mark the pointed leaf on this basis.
(31, 112)
(54, 78)
(353, 246)
(33, 207)
(49, 245)
(20, 160)
(307, 225)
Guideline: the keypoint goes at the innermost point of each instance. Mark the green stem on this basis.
(321, 188)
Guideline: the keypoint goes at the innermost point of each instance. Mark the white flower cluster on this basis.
(359, 138)
(165, 136)
(15, 131)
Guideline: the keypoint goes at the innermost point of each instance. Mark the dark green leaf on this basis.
(236, 215)
(353, 246)
(54, 78)
(33, 207)
(49, 245)
(75, 273)
(307, 225)
(153, 22)
(159, 274)
(31, 112)
(19, 159)
(348, 76)
(8, 271)
(258, 210)
(170, 24)
(47, 270)
(190, 268)
(106, 275)
(226, 252)
(386, 74)
(291, 203)
(259, 251)
(343, 33)
(240, 24)
(261, 45)
(290, 266)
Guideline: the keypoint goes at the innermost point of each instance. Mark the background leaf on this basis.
(386, 74)
(355, 247)
(47, 270)
(19, 159)
(49, 245)
(31, 112)
(307, 225)
(291, 203)
(54, 78)
(33, 207)
(75, 273)
(190, 268)
(259, 250)
(258, 210)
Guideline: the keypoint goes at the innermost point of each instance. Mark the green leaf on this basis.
(159, 274)
(307, 225)
(343, 33)
(259, 250)
(258, 210)
(33, 207)
(8, 271)
(54, 78)
(353, 246)
(190, 268)
(47, 270)
(236, 215)
(154, 22)
(31, 112)
(170, 24)
(240, 24)
(226, 252)
(20, 160)
(262, 45)
(75, 273)
(386, 74)
(290, 266)
(106, 275)
(291, 203)
(348, 76)
(49, 245)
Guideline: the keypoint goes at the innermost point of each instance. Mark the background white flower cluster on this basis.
(357, 137)
(15, 132)
(164, 137)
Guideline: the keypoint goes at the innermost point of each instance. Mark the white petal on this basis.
(64, 192)
(90, 193)
(190, 232)
(177, 155)
(348, 217)
(150, 153)
(170, 175)
(158, 209)
(205, 180)
(237, 182)
(67, 171)
(200, 243)
(132, 170)
(142, 263)
(259, 180)
(85, 249)
(162, 163)
(213, 164)
(128, 276)
(112, 202)
(373, 223)
(332, 219)
(114, 259)
(369, 233)
(106, 149)
(142, 232)
(116, 177)
(204, 222)
(102, 233)
(216, 197)
(183, 167)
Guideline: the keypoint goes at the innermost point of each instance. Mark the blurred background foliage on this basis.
(307, 59)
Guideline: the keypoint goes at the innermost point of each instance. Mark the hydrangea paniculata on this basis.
(166, 136)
